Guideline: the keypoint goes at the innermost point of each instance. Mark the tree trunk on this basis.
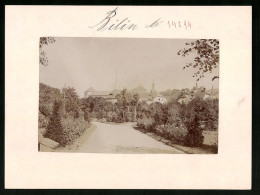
(135, 115)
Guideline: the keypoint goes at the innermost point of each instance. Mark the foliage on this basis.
(54, 129)
(211, 122)
(207, 59)
(67, 120)
(142, 109)
(158, 112)
(173, 113)
(73, 128)
(42, 120)
(171, 94)
(194, 136)
(86, 116)
(172, 132)
(126, 101)
(43, 55)
(47, 96)
(111, 116)
(182, 123)
(71, 102)
(121, 111)
(192, 116)
(146, 123)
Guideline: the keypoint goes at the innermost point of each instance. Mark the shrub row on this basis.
(65, 128)
(182, 123)
(172, 132)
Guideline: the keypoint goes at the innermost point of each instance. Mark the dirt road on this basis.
(122, 138)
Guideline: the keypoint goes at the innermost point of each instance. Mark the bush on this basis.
(45, 108)
(173, 113)
(129, 117)
(118, 120)
(158, 112)
(103, 120)
(172, 132)
(73, 128)
(42, 121)
(115, 117)
(146, 123)
(111, 116)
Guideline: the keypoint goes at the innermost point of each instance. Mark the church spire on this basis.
(116, 81)
(153, 87)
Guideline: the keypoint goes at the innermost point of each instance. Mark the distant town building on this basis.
(139, 90)
(107, 95)
(158, 98)
(201, 92)
(89, 92)
(150, 97)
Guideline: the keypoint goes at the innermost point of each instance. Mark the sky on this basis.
(94, 62)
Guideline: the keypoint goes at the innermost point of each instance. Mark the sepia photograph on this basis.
(164, 104)
(128, 95)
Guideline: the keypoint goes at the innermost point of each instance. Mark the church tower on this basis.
(153, 90)
(153, 87)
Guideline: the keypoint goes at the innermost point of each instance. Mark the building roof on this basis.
(149, 96)
(115, 92)
(101, 93)
(91, 89)
(140, 87)
(158, 95)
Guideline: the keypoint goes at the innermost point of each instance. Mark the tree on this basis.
(194, 136)
(192, 116)
(211, 122)
(173, 112)
(54, 129)
(207, 56)
(122, 101)
(142, 109)
(47, 96)
(88, 104)
(158, 112)
(71, 101)
(43, 54)
(134, 103)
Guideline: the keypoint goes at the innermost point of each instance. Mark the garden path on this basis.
(123, 138)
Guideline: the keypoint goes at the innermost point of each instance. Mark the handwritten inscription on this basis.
(110, 22)
(179, 24)
(156, 23)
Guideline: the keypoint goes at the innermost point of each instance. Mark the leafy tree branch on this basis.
(207, 56)
(43, 54)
